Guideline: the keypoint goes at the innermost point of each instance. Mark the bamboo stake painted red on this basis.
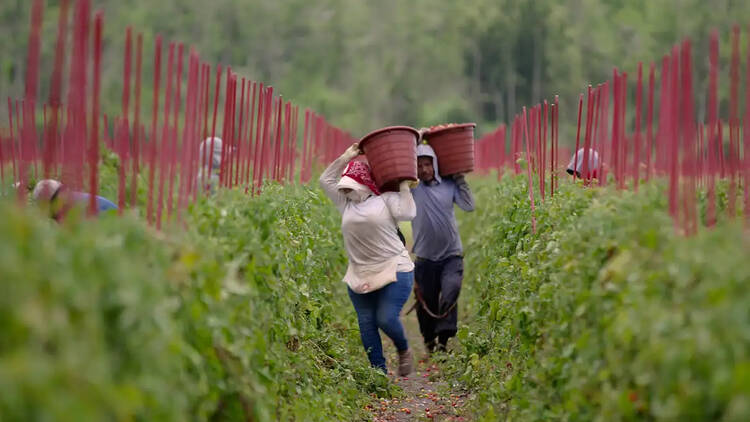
(190, 128)
(553, 150)
(650, 120)
(586, 174)
(206, 156)
(94, 141)
(136, 123)
(688, 136)
(293, 151)
(528, 172)
(746, 140)
(288, 143)
(77, 94)
(713, 125)
(196, 165)
(543, 162)
(225, 128)
(125, 120)
(673, 137)
(199, 135)
(251, 140)
(228, 145)
(578, 134)
(595, 129)
(305, 136)
(622, 125)
(174, 132)
(734, 90)
(12, 140)
(556, 128)
(701, 155)
(614, 155)
(277, 142)
(121, 146)
(637, 136)
(163, 146)
(260, 159)
(604, 143)
(55, 94)
(259, 135)
(32, 61)
(240, 136)
(22, 128)
(540, 150)
(152, 141)
(661, 139)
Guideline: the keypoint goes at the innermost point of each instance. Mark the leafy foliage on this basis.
(239, 314)
(367, 64)
(605, 314)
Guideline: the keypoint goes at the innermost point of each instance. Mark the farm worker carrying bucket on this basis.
(439, 265)
(380, 273)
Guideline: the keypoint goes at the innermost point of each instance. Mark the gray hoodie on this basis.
(435, 228)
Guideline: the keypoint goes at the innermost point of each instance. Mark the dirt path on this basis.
(427, 396)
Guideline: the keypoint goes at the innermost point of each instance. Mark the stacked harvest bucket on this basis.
(392, 152)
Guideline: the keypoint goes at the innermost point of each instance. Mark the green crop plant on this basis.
(606, 313)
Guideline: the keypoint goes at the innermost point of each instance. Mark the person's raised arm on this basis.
(330, 177)
(463, 196)
(401, 204)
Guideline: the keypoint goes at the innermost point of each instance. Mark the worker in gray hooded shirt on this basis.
(438, 268)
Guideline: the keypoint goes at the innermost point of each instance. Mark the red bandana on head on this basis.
(360, 172)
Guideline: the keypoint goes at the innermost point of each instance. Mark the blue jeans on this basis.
(381, 309)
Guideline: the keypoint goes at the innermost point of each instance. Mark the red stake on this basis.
(543, 162)
(278, 139)
(94, 142)
(528, 173)
(136, 123)
(174, 132)
(688, 136)
(305, 135)
(189, 130)
(225, 127)
(586, 171)
(614, 155)
(746, 140)
(650, 120)
(12, 140)
(734, 122)
(556, 128)
(622, 125)
(712, 122)
(637, 138)
(122, 143)
(259, 135)
(673, 137)
(164, 147)
(55, 94)
(250, 137)
(240, 133)
(152, 141)
(206, 156)
(32, 63)
(595, 129)
(553, 151)
(578, 135)
(604, 145)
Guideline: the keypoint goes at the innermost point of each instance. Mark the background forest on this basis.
(365, 64)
